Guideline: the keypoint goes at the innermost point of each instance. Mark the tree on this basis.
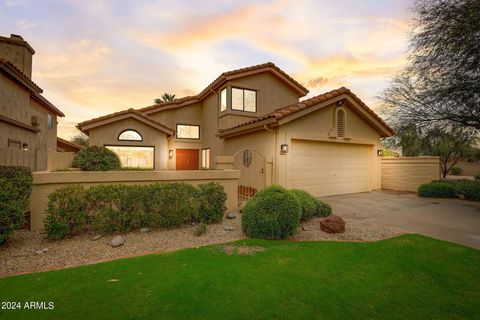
(166, 97)
(80, 139)
(440, 87)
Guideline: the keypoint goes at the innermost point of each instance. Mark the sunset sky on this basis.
(97, 57)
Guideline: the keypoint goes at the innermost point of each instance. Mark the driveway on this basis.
(447, 219)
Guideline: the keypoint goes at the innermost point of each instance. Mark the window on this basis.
(205, 158)
(49, 121)
(130, 135)
(16, 144)
(341, 123)
(187, 131)
(134, 157)
(223, 100)
(244, 100)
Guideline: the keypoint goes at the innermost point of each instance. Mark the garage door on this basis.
(324, 168)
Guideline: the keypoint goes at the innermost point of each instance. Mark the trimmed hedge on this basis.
(470, 189)
(456, 171)
(437, 189)
(323, 209)
(96, 159)
(122, 208)
(212, 198)
(272, 213)
(15, 190)
(307, 202)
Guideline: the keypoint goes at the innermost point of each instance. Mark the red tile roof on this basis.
(282, 112)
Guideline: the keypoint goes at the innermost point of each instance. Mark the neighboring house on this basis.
(327, 144)
(28, 121)
(67, 146)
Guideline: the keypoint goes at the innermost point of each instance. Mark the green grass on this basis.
(408, 277)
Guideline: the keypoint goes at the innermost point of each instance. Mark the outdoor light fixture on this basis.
(339, 103)
(284, 149)
(170, 154)
(380, 152)
(25, 146)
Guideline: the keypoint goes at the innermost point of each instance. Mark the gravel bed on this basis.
(23, 252)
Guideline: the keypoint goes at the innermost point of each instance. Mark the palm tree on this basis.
(166, 97)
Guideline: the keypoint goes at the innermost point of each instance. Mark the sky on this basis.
(98, 57)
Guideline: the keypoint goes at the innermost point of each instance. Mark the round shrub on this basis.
(456, 171)
(272, 213)
(307, 202)
(66, 212)
(470, 189)
(477, 177)
(15, 189)
(212, 198)
(323, 209)
(96, 159)
(437, 189)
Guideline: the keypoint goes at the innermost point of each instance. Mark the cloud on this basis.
(26, 24)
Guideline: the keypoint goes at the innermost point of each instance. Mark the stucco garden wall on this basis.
(408, 173)
(45, 183)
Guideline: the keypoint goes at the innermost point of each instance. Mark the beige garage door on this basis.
(325, 168)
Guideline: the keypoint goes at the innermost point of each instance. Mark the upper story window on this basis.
(244, 100)
(223, 100)
(130, 135)
(341, 123)
(49, 121)
(188, 131)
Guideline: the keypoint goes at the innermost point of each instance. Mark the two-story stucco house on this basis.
(326, 145)
(28, 121)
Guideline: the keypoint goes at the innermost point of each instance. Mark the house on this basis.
(28, 121)
(254, 118)
(67, 146)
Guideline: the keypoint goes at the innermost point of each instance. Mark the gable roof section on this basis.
(35, 90)
(117, 116)
(283, 113)
(230, 75)
(61, 142)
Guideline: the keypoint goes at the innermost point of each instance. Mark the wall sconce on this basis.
(380, 153)
(284, 149)
(170, 154)
(25, 146)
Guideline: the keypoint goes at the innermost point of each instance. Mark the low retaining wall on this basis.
(408, 173)
(45, 183)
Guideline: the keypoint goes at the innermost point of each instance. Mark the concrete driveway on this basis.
(447, 219)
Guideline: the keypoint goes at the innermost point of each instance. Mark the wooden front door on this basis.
(187, 159)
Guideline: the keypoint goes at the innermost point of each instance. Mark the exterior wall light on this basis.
(170, 154)
(380, 153)
(284, 149)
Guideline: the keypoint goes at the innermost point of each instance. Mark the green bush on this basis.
(456, 171)
(171, 204)
(200, 229)
(272, 213)
(307, 202)
(323, 209)
(96, 159)
(470, 189)
(477, 176)
(437, 189)
(15, 189)
(66, 212)
(212, 197)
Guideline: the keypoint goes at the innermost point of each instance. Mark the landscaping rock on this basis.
(98, 236)
(303, 228)
(45, 250)
(232, 214)
(460, 196)
(228, 228)
(144, 229)
(333, 224)
(38, 251)
(117, 241)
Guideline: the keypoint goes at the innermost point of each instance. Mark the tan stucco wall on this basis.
(60, 160)
(17, 53)
(108, 135)
(408, 173)
(469, 168)
(44, 183)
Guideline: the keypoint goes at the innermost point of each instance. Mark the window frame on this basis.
(187, 124)
(243, 98)
(50, 121)
(136, 146)
(141, 137)
(226, 99)
(203, 158)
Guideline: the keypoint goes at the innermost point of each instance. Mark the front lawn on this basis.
(407, 277)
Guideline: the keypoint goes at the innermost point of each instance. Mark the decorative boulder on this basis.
(333, 224)
(117, 241)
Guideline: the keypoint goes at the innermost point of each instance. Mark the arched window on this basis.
(130, 135)
(341, 123)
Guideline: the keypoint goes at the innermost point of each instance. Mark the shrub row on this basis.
(449, 188)
(96, 158)
(275, 213)
(15, 189)
(122, 208)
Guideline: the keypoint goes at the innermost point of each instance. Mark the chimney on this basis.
(18, 52)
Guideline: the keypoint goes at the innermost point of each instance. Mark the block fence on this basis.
(45, 183)
(408, 173)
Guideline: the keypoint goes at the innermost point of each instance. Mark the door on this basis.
(251, 164)
(187, 159)
(327, 168)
